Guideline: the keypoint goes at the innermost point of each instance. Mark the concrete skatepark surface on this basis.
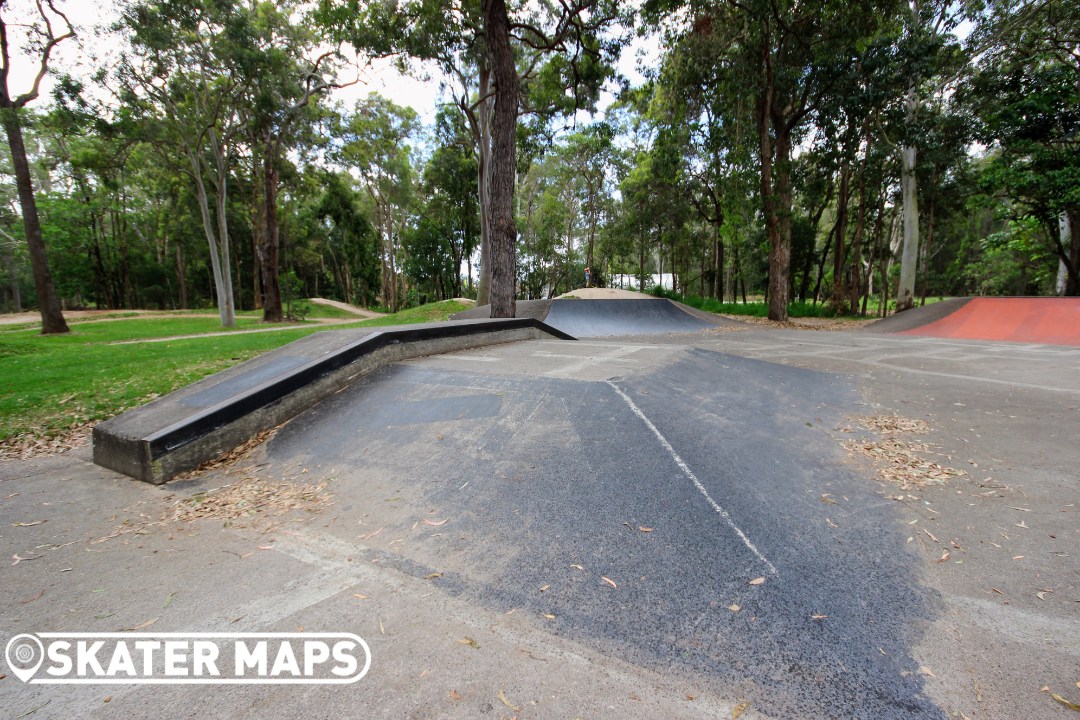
(680, 468)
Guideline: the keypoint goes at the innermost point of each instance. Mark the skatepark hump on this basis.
(1041, 320)
(612, 317)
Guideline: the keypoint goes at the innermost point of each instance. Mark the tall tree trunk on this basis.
(269, 248)
(839, 292)
(1072, 267)
(257, 208)
(905, 293)
(52, 318)
(220, 254)
(181, 275)
(779, 250)
(503, 172)
(483, 181)
(780, 231)
(924, 250)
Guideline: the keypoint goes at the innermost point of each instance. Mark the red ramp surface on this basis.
(1051, 321)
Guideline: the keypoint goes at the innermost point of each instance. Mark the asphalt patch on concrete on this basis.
(545, 485)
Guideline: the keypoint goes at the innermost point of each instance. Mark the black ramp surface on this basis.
(544, 485)
(608, 318)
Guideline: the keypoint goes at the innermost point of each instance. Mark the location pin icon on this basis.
(24, 655)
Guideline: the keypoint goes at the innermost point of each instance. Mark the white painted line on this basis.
(693, 478)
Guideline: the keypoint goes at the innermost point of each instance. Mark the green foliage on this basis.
(753, 309)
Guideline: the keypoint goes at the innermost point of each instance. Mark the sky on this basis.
(90, 48)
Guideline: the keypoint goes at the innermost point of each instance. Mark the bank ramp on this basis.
(612, 317)
(1040, 320)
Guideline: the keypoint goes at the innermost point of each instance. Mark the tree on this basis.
(280, 84)
(375, 141)
(189, 94)
(779, 58)
(43, 39)
(557, 46)
(1025, 94)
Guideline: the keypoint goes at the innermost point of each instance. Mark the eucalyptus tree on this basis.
(1025, 94)
(375, 142)
(287, 67)
(927, 54)
(690, 93)
(451, 210)
(562, 48)
(778, 57)
(183, 80)
(44, 30)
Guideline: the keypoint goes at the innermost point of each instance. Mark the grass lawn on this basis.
(760, 309)
(49, 384)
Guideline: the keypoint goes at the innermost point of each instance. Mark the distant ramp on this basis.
(608, 318)
(1042, 320)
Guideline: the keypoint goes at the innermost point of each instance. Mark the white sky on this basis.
(91, 48)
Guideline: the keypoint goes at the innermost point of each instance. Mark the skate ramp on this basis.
(611, 317)
(1041, 320)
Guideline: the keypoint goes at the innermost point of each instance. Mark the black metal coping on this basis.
(250, 399)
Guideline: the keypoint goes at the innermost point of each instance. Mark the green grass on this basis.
(50, 383)
(755, 309)
(432, 312)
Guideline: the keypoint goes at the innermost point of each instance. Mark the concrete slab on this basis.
(186, 428)
(481, 497)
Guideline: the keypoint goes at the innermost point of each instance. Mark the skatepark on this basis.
(607, 507)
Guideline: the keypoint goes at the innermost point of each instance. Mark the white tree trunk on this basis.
(905, 294)
(1065, 233)
(223, 301)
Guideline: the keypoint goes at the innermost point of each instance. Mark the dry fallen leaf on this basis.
(454, 695)
(819, 617)
(549, 616)
(360, 596)
(758, 581)
(29, 600)
(738, 710)
(609, 581)
(944, 556)
(507, 703)
(827, 499)
(544, 588)
(470, 642)
(923, 670)
(142, 625)
(577, 567)
(432, 576)
(734, 607)
(436, 523)
(29, 524)
(1067, 703)
(645, 529)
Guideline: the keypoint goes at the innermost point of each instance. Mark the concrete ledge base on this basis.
(193, 425)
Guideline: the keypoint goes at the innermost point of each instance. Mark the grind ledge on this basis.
(184, 429)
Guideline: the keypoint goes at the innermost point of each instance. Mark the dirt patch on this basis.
(803, 323)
